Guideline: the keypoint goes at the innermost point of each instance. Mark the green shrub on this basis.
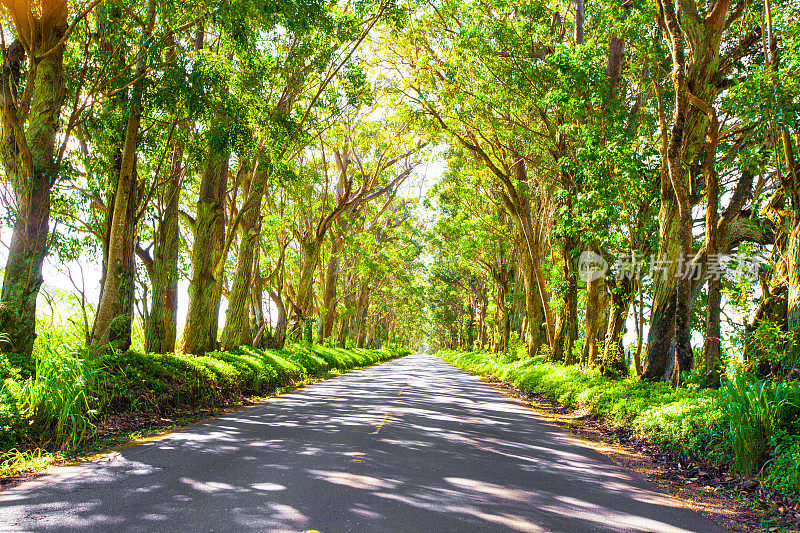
(782, 473)
(55, 400)
(755, 409)
(56, 408)
(132, 381)
(250, 367)
(335, 358)
(7, 370)
(310, 361)
(397, 350)
(11, 424)
(15, 461)
(768, 350)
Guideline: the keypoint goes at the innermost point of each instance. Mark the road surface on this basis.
(413, 445)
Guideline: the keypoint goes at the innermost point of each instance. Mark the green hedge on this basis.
(132, 382)
(692, 421)
(11, 426)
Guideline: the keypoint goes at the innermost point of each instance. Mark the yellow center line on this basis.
(396, 400)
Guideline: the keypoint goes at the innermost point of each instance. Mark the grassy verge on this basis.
(750, 425)
(79, 404)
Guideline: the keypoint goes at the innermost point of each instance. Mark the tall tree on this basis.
(32, 97)
(115, 311)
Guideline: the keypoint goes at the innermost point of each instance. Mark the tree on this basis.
(33, 96)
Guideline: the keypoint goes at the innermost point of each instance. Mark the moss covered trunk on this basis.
(305, 287)
(695, 79)
(566, 332)
(661, 335)
(112, 324)
(23, 275)
(502, 319)
(536, 330)
(362, 312)
(200, 332)
(622, 296)
(277, 339)
(28, 155)
(597, 304)
(237, 324)
(327, 317)
(160, 333)
(346, 325)
(114, 319)
(483, 309)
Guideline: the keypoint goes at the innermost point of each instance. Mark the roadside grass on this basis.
(750, 425)
(50, 417)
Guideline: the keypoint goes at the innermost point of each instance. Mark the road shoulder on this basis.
(730, 502)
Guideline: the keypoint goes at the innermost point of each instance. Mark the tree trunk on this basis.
(200, 332)
(502, 319)
(114, 318)
(580, 15)
(712, 350)
(28, 156)
(662, 320)
(637, 355)
(567, 330)
(305, 288)
(470, 329)
(597, 300)
(160, 335)
(695, 90)
(237, 324)
(362, 311)
(541, 324)
(622, 296)
(23, 274)
(539, 317)
(483, 341)
(277, 340)
(347, 319)
(712, 342)
(327, 317)
(536, 331)
(684, 357)
(256, 296)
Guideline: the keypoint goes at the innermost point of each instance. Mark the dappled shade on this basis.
(451, 454)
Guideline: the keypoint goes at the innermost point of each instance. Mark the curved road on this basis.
(413, 445)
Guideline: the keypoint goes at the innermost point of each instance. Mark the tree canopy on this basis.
(266, 159)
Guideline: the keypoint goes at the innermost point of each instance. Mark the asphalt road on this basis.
(413, 445)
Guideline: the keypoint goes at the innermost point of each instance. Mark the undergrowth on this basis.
(59, 408)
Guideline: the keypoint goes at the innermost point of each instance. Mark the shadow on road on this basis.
(450, 454)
